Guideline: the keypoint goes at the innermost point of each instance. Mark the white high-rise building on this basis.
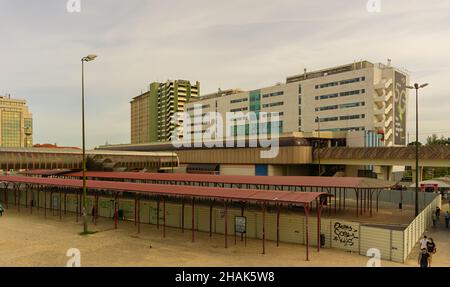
(361, 96)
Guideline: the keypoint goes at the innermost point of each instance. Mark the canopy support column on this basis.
(45, 205)
(18, 201)
(319, 213)
(60, 204)
(226, 223)
(242, 214)
(210, 218)
(32, 199)
(26, 195)
(96, 208)
(38, 198)
(278, 224)
(264, 229)
(76, 209)
(6, 195)
(193, 220)
(135, 209)
(378, 195)
(116, 211)
(157, 213)
(65, 201)
(182, 215)
(164, 216)
(335, 198)
(344, 197)
(357, 202)
(306, 208)
(139, 214)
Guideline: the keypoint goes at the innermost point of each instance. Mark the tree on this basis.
(432, 172)
(414, 143)
(434, 140)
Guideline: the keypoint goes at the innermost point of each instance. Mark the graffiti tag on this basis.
(345, 234)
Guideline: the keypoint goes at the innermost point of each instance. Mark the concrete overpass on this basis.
(432, 156)
(54, 158)
(384, 158)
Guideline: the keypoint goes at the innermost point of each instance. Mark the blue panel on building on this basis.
(261, 169)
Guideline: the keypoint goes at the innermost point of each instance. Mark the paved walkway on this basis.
(441, 236)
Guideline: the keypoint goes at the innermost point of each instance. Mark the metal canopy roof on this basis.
(175, 190)
(304, 181)
(46, 172)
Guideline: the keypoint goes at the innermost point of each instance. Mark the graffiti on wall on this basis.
(400, 103)
(345, 235)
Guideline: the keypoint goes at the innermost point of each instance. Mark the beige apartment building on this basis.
(16, 123)
(152, 112)
(361, 96)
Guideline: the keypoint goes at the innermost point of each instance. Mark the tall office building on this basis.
(16, 123)
(152, 112)
(361, 96)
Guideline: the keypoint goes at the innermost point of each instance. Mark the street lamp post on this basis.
(88, 58)
(417, 87)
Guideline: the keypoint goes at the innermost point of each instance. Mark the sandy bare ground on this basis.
(33, 240)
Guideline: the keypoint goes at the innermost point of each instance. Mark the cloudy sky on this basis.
(235, 43)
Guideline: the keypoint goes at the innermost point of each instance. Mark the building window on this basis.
(239, 100)
(239, 109)
(273, 94)
(275, 104)
(343, 82)
(329, 119)
(352, 117)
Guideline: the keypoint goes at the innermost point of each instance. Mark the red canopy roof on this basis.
(304, 181)
(46, 172)
(175, 190)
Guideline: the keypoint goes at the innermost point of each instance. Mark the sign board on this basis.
(240, 224)
(400, 103)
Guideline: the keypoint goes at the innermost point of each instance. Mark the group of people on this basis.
(427, 250)
(436, 216)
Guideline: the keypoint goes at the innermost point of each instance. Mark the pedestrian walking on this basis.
(438, 212)
(423, 243)
(431, 249)
(424, 258)
(434, 219)
(94, 212)
(1, 209)
(447, 218)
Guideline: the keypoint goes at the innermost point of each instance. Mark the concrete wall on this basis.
(235, 169)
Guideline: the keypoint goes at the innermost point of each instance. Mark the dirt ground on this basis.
(33, 240)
